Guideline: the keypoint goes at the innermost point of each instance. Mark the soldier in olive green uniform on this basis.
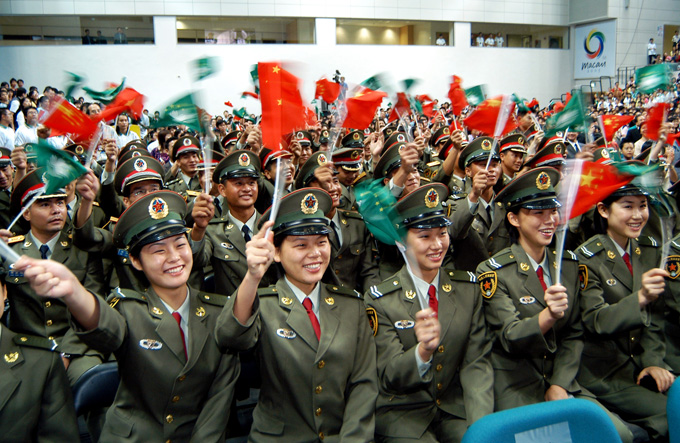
(512, 152)
(535, 318)
(185, 153)
(353, 260)
(175, 384)
(7, 171)
(316, 351)
(348, 161)
(432, 385)
(621, 312)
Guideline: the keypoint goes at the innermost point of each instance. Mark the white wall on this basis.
(540, 12)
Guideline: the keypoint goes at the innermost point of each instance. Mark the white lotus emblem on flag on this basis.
(58, 167)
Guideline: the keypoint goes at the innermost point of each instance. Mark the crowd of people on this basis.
(488, 40)
(392, 284)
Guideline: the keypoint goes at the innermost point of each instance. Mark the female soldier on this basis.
(435, 375)
(317, 356)
(535, 320)
(622, 361)
(174, 382)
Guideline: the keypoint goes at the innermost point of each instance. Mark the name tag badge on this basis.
(286, 333)
(16, 273)
(150, 344)
(123, 253)
(404, 324)
(527, 300)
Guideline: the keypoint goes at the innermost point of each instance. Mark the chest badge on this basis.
(227, 245)
(611, 282)
(150, 344)
(286, 333)
(527, 300)
(404, 324)
(673, 266)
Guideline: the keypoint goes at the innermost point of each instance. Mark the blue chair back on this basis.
(96, 388)
(564, 421)
(673, 413)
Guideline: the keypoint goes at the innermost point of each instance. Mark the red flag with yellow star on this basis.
(282, 108)
(484, 118)
(327, 90)
(596, 182)
(401, 109)
(361, 108)
(656, 116)
(612, 123)
(128, 100)
(64, 118)
(457, 96)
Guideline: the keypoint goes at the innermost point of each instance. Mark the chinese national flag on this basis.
(655, 118)
(484, 117)
(64, 118)
(402, 108)
(310, 118)
(612, 123)
(457, 96)
(597, 181)
(672, 138)
(282, 108)
(428, 109)
(327, 90)
(361, 108)
(128, 100)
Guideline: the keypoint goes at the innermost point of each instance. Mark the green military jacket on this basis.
(460, 379)
(163, 396)
(620, 338)
(311, 389)
(527, 362)
(672, 306)
(35, 400)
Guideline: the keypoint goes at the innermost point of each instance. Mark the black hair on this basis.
(513, 232)
(600, 224)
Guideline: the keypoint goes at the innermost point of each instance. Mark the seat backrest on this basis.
(561, 421)
(673, 413)
(96, 388)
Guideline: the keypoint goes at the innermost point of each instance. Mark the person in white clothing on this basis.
(6, 131)
(480, 40)
(651, 51)
(123, 133)
(500, 41)
(28, 132)
(490, 41)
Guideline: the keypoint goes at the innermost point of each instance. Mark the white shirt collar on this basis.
(250, 223)
(422, 287)
(619, 249)
(51, 243)
(314, 295)
(184, 313)
(545, 264)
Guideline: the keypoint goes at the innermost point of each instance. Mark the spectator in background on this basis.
(101, 40)
(123, 133)
(87, 39)
(479, 41)
(676, 40)
(4, 98)
(440, 40)
(6, 131)
(120, 38)
(651, 52)
(490, 41)
(28, 132)
(500, 41)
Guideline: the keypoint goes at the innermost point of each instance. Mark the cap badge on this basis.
(244, 159)
(11, 357)
(135, 154)
(543, 181)
(79, 150)
(356, 136)
(558, 149)
(309, 204)
(186, 142)
(324, 134)
(322, 160)
(605, 153)
(520, 140)
(446, 131)
(158, 208)
(431, 198)
(367, 131)
(486, 145)
(355, 155)
(140, 165)
(300, 135)
(401, 138)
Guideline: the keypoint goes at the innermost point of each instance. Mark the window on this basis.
(391, 32)
(244, 30)
(519, 36)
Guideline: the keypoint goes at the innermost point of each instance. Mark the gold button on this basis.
(322, 364)
(337, 272)
(321, 436)
(439, 386)
(226, 256)
(439, 367)
(181, 378)
(318, 412)
(168, 441)
(16, 280)
(491, 238)
(175, 399)
(490, 254)
(440, 349)
(169, 419)
(632, 339)
(339, 256)
(439, 402)
(125, 260)
(48, 304)
(50, 338)
(318, 389)
(48, 322)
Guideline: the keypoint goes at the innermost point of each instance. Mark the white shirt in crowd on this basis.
(26, 134)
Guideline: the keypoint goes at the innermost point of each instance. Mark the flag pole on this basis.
(570, 196)
(501, 120)
(8, 253)
(92, 147)
(278, 190)
(25, 208)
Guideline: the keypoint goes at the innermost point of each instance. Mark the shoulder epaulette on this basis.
(223, 219)
(119, 294)
(434, 163)
(270, 290)
(591, 247)
(567, 255)
(35, 342)
(192, 193)
(389, 285)
(343, 290)
(458, 275)
(172, 182)
(95, 203)
(113, 220)
(458, 196)
(16, 239)
(675, 244)
(648, 240)
(425, 179)
(213, 299)
(352, 214)
(501, 259)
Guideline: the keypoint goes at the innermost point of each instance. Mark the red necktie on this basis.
(307, 303)
(539, 273)
(181, 332)
(434, 303)
(626, 258)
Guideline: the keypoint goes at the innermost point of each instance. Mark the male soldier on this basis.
(267, 181)
(348, 164)
(488, 234)
(449, 172)
(229, 141)
(512, 152)
(185, 156)
(45, 322)
(222, 241)
(352, 258)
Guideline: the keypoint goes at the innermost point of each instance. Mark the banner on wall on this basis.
(595, 50)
